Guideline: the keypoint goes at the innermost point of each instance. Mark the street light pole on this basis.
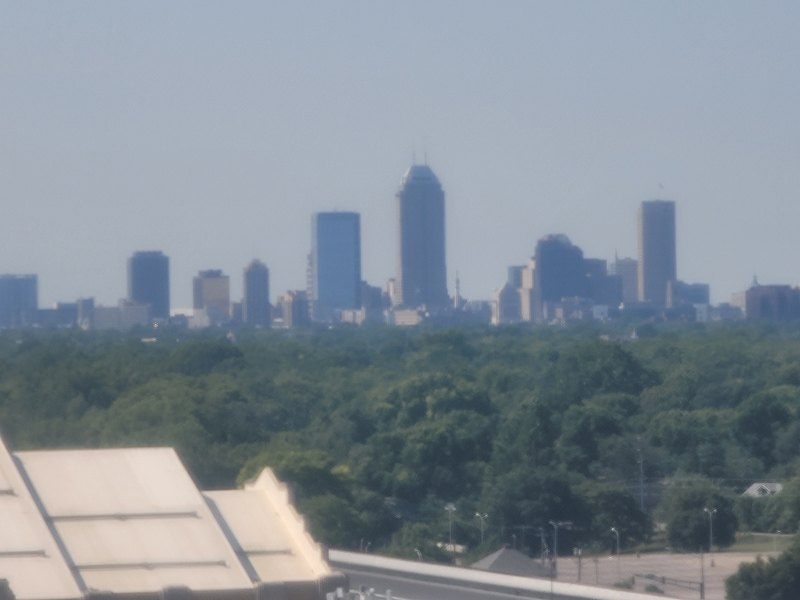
(710, 532)
(482, 517)
(543, 542)
(451, 508)
(616, 532)
(556, 525)
(641, 473)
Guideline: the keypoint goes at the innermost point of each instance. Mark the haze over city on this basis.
(213, 131)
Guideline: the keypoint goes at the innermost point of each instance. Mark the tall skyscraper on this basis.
(212, 294)
(256, 309)
(421, 268)
(148, 282)
(335, 264)
(657, 262)
(19, 300)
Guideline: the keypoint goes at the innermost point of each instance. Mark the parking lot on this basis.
(682, 573)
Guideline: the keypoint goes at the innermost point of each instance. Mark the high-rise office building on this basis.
(335, 264)
(148, 282)
(421, 269)
(657, 262)
(560, 269)
(19, 300)
(212, 295)
(256, 309)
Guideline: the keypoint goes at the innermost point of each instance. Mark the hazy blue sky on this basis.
(212, 131)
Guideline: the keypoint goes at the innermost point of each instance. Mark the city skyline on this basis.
(212, 133)
(335, 247)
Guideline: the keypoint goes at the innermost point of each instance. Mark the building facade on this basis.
(657, 258)
(19, 300)
(334, 264)
(627, 269)
(421, 268)
(294, 309)
(256, 309)
(773, 302)
(148, 282)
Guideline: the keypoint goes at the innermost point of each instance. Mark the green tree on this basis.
(777, 578)
(609, 507)
(688, 508)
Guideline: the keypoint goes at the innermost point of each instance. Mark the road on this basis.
(418, 580)
(404, 588)
(412, 580)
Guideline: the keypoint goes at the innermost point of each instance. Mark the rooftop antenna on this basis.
(425, 149)
(413, 155)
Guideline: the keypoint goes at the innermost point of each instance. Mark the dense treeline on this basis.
(378, 429)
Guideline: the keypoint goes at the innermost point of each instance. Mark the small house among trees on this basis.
(760, 489)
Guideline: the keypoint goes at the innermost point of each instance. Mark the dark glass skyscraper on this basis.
(335, 264)
(256, 309)
(560, 269)
(657, 262)
(421, 268)
(148, 282)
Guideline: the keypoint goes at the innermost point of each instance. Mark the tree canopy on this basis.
(378, 428)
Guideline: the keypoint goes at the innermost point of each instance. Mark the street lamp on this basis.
(451, 508)
(544, 543)
(482, 517)
(710, 532)
(556, 525)
(616, 532)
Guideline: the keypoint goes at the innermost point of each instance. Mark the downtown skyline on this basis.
(212, 133)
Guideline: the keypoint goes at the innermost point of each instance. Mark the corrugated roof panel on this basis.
(29, 557)
(72, 482)
(133, 521)
(150, 548)
(268, 545)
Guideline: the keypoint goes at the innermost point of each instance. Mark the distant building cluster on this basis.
(558, 284)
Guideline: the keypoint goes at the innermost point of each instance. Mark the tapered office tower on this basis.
(657, 263)
(256, 309)
(335, 264)
(421, 270)
(148, 282)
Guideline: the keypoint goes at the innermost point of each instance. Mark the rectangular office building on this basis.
(335, 264)
(19, 300)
